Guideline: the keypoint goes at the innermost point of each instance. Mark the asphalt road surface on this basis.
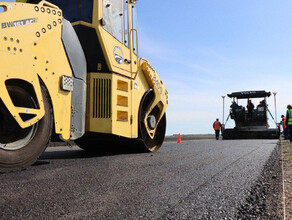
(204, 179)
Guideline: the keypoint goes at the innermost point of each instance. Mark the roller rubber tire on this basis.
(30, 151)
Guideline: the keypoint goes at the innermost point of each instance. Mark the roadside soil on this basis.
(287, 166)
(264, 201)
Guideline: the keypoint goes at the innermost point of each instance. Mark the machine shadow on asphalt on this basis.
(76, 153)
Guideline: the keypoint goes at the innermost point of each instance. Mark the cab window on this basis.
(126, 23)
(113, 18)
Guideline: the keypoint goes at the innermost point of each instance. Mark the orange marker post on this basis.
(178, 138)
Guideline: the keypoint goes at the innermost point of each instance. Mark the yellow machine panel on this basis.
(29, 42)
(109, 104)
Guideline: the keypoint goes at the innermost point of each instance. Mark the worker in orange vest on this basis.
(285, 129)
(217, 127)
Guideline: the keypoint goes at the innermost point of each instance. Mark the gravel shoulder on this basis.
(265, 200)
(287, 166)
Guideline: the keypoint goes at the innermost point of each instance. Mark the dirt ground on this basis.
(287, 165)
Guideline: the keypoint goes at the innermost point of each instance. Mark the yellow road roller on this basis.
(70, 70)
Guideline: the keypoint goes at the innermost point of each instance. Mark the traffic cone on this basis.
(178, 139)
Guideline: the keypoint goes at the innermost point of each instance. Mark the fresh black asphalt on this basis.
(203, 179)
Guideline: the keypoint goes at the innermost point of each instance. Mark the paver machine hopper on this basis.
(250, 122)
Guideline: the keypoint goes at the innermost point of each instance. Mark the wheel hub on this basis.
(151, 121)
(12, 136)
(14, 144)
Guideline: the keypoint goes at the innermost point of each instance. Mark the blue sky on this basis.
(208, 48)
(203, 49)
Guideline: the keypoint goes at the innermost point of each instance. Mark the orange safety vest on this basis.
(216, 125)
(284, 120)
